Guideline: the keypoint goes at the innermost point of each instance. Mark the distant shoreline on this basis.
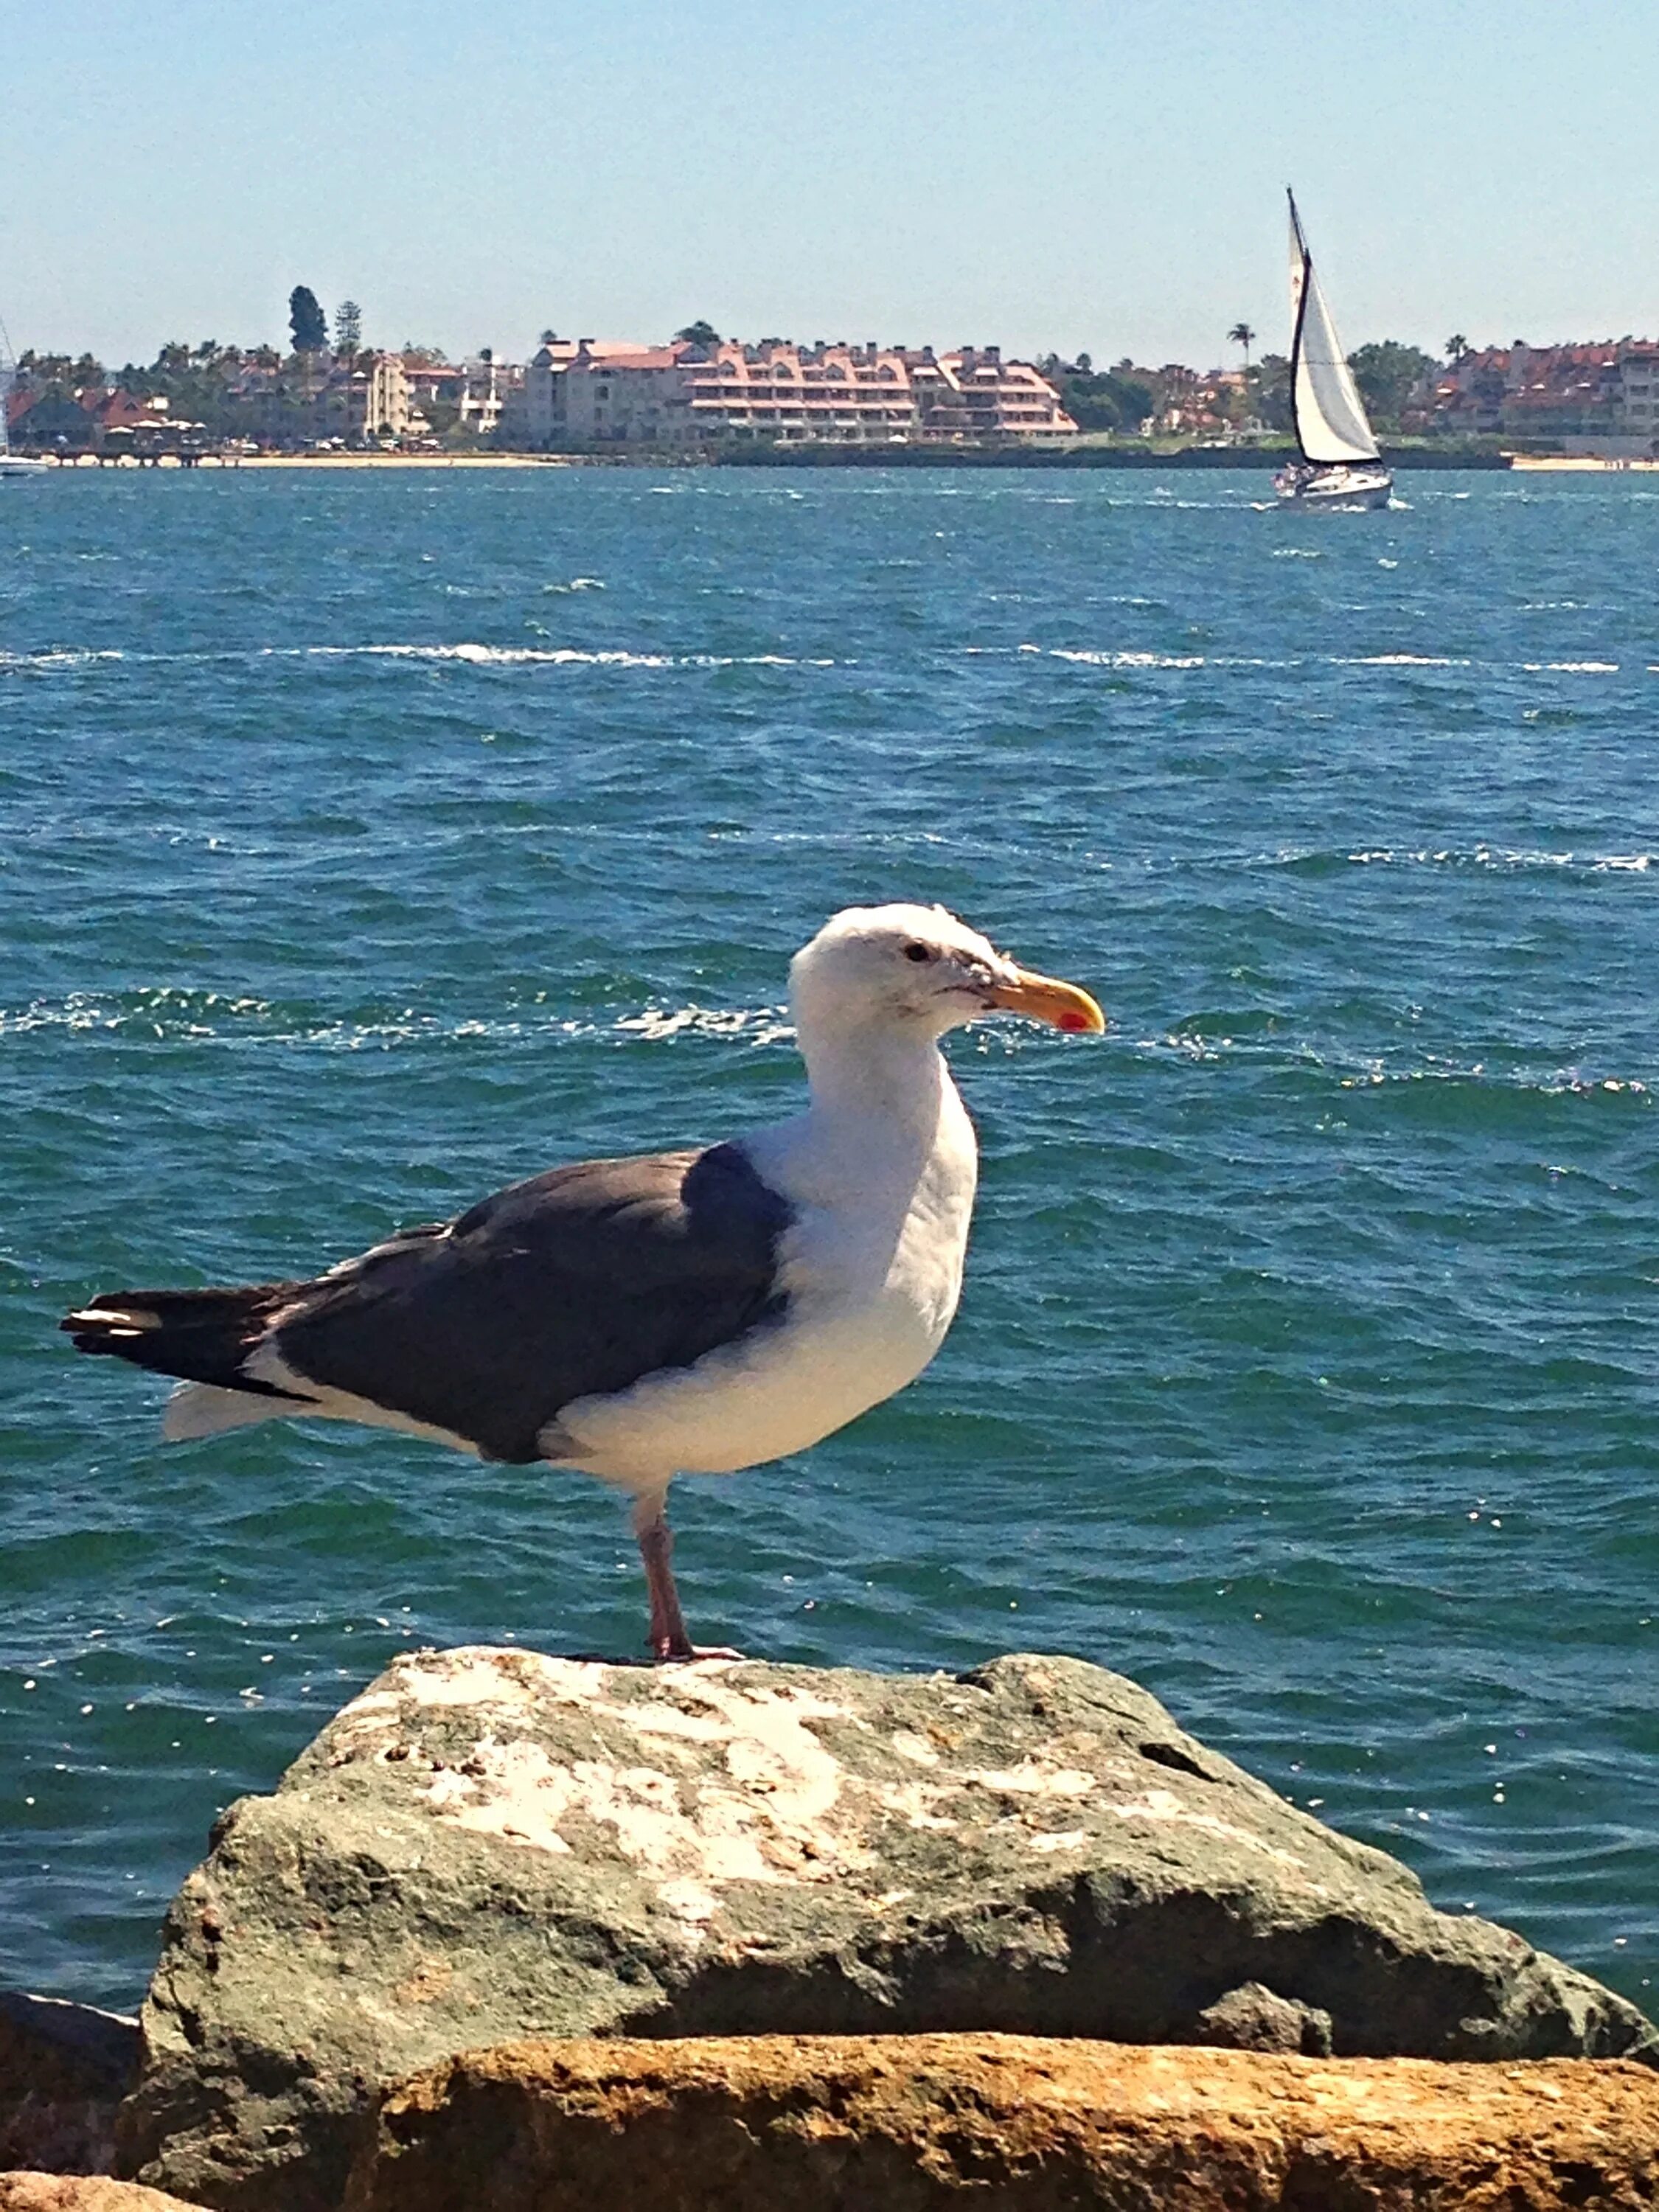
(129, 464)
(392, 461)
(825, 457)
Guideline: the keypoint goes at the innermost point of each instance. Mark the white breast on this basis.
(872, 1269)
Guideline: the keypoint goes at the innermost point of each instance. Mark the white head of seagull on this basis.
(680, 1311)
(917, 971)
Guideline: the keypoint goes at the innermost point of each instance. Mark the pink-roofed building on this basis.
(1543, 391)
(588, 392)
(579, 391)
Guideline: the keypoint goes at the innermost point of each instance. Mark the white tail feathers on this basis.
(202, 1409)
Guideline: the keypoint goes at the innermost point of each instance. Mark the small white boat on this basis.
(13, 465)
(1340, 465)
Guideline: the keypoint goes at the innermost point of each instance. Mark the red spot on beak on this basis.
(1069, 1021)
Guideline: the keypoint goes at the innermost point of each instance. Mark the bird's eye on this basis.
(918, 952)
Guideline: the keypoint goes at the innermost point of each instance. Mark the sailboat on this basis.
(12, 465)
(1340, 465)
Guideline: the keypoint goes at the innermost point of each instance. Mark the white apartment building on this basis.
(1638, 380)
(364, 398)
(591, 393)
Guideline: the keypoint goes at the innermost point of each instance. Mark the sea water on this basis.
(368, 839)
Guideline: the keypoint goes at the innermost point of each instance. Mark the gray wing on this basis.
(579, 1281)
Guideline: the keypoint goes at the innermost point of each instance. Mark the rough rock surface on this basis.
(64, 2070)
(66, 2192)
(487, 1844)
(1251, 2017)
(824, 2123)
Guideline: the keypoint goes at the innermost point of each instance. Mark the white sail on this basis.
(1330, 420)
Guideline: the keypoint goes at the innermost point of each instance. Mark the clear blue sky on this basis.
(1076, 174)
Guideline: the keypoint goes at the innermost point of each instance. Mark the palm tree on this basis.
(1241, 335)
(1456, 347)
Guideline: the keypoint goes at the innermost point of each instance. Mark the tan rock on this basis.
(82, 2192)
(1004, 2123)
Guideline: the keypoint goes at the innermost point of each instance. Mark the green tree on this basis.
(1099, 400)
(348, 328)
(1388, 374)
(1456, 347)
(1270, 384)
(1241, 335)
(306, 320)
(699, 334)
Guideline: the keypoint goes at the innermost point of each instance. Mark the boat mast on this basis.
(1302, 271)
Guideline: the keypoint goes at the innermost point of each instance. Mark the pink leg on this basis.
(667, 1635)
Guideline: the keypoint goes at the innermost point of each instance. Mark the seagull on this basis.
(682, 1312)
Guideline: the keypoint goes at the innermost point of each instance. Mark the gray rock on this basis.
(1252, 2018)
(489, 1845)
(64, 2070)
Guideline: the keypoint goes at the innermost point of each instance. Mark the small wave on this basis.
(575, 584)
(1488, 856)
(1092, 659)
(59, 657)
(1297, 553)
(465, 653)
(1571, 667)
(1480, 856)
(1565, 1083)
(760, 1025)
(164, 1012)
(475, 656)
(557, 656)
(169, 1014)
(1398, 660)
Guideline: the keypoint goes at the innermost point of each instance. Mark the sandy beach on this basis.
(1597, 462)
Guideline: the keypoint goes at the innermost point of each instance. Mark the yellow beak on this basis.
(1063, 1006)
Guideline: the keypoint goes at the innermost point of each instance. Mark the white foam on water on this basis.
(475, 656)
(1089, 658)
(67, 657)
(760, 1025)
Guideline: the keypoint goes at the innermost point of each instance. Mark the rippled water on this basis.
(367, 841)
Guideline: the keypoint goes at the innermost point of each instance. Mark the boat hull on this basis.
(21, 464)
(1339, 489)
